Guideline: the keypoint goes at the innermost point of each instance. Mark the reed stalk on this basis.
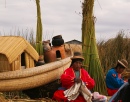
(89, 47)
(39, 46)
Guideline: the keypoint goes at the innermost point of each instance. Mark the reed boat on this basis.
(33, 77)
(13, 77)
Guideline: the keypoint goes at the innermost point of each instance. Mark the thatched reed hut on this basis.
(16, 53)
(74, 45)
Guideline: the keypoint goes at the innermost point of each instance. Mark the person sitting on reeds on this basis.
(114, 79)
(76, 83)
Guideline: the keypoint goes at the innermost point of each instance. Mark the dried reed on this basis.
(113, 50)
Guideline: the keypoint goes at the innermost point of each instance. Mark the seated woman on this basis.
(113, 78)
(72, 75)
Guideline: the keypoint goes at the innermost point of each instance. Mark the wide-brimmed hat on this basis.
(77, 55)
(123, 62)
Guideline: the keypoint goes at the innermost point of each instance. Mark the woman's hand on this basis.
(77, 80)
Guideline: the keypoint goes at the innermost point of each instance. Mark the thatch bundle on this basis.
(90, 52)
(39, 46)
(2, 98)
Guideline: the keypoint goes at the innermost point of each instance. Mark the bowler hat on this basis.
(123, 62)
(77, 55)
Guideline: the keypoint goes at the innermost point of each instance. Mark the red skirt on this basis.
(111, 91)
(59, 96)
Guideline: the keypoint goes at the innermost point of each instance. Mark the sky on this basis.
(64, 17)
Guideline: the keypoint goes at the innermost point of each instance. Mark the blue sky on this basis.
(63, 17)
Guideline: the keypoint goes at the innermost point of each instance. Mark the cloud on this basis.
(112, 17)
(62, 17)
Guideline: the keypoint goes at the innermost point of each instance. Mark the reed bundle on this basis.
(39, 46)
(90, 52)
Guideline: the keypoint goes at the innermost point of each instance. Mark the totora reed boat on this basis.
(13, 77)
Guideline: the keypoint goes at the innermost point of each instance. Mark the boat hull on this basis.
(33, 77)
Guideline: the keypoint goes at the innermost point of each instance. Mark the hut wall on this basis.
(4, 63)
(16, 65)
(73, 47)
(29, 61)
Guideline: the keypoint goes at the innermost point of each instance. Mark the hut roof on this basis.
(73, 42)
(13, 46)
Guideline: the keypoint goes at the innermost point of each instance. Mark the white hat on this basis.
(123, 62)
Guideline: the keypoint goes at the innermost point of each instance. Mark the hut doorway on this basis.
(23, 63)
